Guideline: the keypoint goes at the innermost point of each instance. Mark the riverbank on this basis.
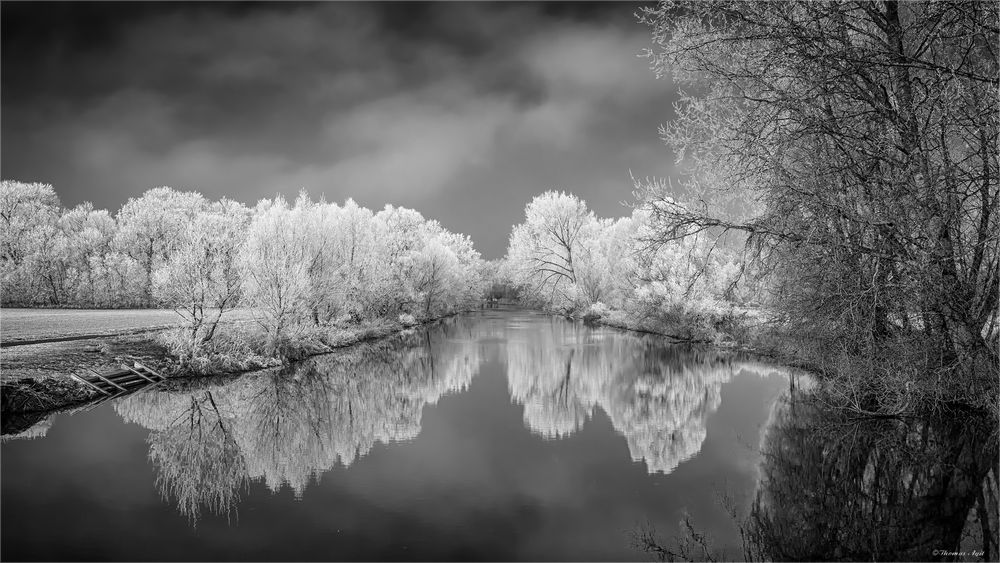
(896, 377)
(742, 329)
(36, 377)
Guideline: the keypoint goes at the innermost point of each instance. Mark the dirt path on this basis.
(9, 344)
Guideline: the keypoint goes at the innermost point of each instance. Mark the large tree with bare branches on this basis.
(548, 247)
(854, 144)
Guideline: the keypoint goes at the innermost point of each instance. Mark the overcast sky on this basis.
(463, 111)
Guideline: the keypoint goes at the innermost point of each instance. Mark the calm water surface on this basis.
(503, 435)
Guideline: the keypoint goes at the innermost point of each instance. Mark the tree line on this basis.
(303, 262)
(566, 259)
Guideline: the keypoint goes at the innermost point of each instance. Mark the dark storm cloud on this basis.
(463, 111)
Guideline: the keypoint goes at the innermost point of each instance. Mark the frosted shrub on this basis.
(230, 351)
(599, 309)
(407, 319)
(595, 312)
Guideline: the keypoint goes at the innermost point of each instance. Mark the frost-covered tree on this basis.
(435, 269)
(120, 278)
(151, 226)
(317, 223)
(89, 233)
(566, 259)
(402, 233)
(201, 279)
(546, 250)
(23, 206)
(447, 272)
(274, 262)
(28, 216)
(355, 253)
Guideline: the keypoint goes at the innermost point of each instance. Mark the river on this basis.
(501, 435)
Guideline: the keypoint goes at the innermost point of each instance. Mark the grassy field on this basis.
(24, 325)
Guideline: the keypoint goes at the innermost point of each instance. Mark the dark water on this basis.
(501, 435)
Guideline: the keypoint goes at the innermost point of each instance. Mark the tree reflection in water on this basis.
(284, 427)
(833, 487)
(287, 426)
(658, 397)
(830, 487)
(836, 488)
